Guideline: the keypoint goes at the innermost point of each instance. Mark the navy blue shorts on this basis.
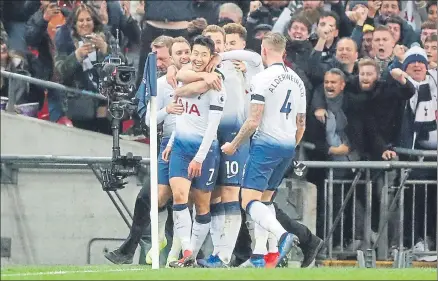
(179, 164)
(231, 166)
(265, 168)
(163, 166)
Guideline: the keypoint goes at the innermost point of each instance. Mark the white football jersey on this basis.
(191, 126)
(282, 92)
(234, 84)
(164, 97)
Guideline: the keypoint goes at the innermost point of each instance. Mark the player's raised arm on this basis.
(217, 102)
(250, 57)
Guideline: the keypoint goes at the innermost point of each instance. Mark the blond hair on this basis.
(235, 28)
(178, 39)
(369, 62)
(162, 41)
(275, 40)
(214, 29)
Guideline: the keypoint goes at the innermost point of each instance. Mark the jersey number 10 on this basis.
(286, 105)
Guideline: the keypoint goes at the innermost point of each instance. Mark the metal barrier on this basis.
(372, 241)
(46, 84)
(12, 163)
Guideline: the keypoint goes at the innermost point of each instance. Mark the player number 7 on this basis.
(286, 105)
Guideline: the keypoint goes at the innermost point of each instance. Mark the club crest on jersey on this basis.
(221, 99)
(189, 108)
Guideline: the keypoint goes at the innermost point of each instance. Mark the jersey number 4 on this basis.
(286, 105)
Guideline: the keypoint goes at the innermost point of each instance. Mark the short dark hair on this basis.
(326, 14)
(431, 38)
(337, 71)
(395, 19)
(204, 41)
(300, 19)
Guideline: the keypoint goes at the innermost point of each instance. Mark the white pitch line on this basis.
(61, 272)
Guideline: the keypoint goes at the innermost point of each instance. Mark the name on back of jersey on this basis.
(290, 77)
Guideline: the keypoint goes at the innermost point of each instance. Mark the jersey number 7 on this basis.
(286, 105)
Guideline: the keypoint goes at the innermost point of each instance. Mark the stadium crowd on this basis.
(352, 57)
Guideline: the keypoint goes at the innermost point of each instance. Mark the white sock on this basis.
(272, 241)
(251, 225)
(182, 225)
(217, 226)
(201, 227)
(261, 238)
(175, 250)
(233, 221)
(162, 219)
(261, 214)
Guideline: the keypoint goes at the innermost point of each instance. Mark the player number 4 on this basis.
(286, 105)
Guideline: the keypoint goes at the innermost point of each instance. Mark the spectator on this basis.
(13, 61)
(427, 28)
(387, 98)
(78, 47)
(424, 103)
(230, 11)
(298, 46)
(430, 46)
(43, 51)
(390, 8)
(14, 17)
(170, 18)
(327, 31)
(366, 49)
(118, 17)
(383, 47)
(395, 25)
(332, 138)
(431, 11)
(209, 10)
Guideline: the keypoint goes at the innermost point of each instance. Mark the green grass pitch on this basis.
(106, 272)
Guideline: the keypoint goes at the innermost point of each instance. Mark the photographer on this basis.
(79, 47)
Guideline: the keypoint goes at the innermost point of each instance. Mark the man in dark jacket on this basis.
(386, 9)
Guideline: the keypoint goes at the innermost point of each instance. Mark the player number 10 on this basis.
(232, 167)
(286, 105)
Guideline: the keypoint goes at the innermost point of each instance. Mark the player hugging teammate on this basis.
(207, 159)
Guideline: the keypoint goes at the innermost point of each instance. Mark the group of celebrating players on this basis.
(230, 128)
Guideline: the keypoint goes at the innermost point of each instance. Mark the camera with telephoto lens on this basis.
(117, 84)
(117, 80)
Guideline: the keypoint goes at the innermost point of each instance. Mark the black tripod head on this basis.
(122, 166)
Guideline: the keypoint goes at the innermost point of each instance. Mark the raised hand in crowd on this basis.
(399, 52)
(103, 12)
(50, 11)
(399, 75)
(373, 7)
(126, 6)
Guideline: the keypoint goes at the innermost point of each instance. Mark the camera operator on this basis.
(79, 47)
